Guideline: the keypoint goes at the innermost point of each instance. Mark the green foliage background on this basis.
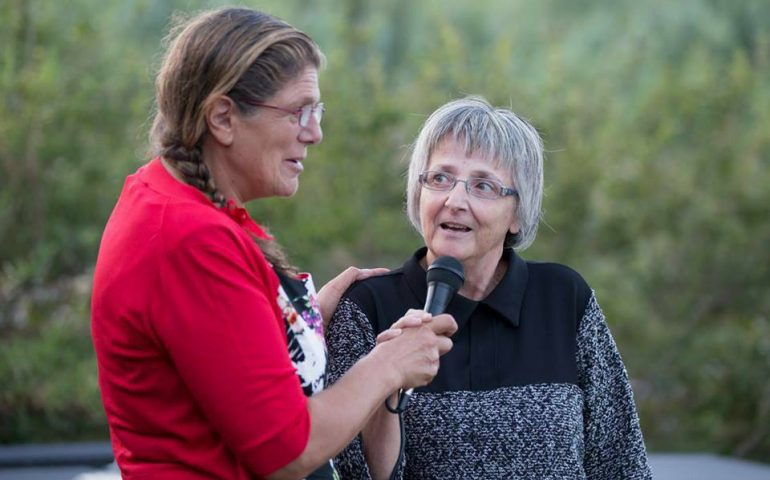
(656, 116)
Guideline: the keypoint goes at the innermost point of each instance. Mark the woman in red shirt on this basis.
(209, 344)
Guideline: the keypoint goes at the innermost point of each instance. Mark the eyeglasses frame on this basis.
(320, 106)
(504, 191)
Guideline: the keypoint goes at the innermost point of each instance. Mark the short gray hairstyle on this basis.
(500, 136)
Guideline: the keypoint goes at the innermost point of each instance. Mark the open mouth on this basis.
(296, 162)
(454, 227)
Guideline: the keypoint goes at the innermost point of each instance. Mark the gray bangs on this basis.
(479, 132)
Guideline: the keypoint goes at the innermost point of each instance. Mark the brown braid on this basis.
(190, 165)
(241, 53)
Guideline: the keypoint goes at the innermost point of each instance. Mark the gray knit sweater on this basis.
(552, 430)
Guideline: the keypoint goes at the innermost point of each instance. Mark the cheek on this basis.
(502, 222)
(428, 211)
(424, 223)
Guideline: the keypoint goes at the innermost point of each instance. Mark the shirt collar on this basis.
(242, 218)
(506, 298)
(155, 175)
(158, 178)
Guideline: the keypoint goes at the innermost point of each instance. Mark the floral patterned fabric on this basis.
(298, 301)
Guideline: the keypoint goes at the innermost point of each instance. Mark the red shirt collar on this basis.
(155, 174)
(242, 218)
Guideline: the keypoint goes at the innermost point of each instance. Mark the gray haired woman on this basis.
(534, 386)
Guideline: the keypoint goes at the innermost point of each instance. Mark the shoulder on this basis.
(191, 223)
(146, 223)
(558, 279)
(210, 241)
(555, 274)
(155, 203)
(181, 224)
(366, 293)
(384, 299)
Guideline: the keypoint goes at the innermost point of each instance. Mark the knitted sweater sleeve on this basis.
(349, 337)
(614, 447)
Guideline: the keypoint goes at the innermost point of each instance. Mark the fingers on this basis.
(444, 345)
(329, 295)
(415, 352)
(443, 324)
(364, 273)
(389, 334)
(412, 318)
(352, 274)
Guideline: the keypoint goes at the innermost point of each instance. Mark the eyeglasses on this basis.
(485, 188)
(302, 113)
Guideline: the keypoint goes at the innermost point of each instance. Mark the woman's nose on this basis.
(457, 197)
(312, 134)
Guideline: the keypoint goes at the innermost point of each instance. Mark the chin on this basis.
(287, 190)
(448, 251)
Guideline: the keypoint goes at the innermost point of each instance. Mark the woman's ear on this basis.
(514, 228)
(219, 118)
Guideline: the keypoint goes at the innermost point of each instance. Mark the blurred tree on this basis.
(656, 120)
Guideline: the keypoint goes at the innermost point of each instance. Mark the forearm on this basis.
(382, 441)
(339, 413)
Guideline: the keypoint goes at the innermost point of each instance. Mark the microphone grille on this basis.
(446, 270)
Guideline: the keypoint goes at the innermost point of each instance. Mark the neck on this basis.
(171, 170)
(480, 283)
(224, 182)
(481, 276)
(215, 157)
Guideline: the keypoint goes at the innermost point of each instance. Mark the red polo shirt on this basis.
(191, 348)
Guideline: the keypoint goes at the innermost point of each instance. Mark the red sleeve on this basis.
(218, 320)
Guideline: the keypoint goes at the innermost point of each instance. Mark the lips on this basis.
(296, 164)
(454, 227)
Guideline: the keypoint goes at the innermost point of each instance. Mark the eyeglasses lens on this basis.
(307, 110)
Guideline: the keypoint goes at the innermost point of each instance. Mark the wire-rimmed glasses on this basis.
(480, 187)
(302, 113)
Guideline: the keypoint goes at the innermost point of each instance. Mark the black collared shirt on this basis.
(534, 386)
(523, 333)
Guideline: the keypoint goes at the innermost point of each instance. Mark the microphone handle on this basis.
(439, 296)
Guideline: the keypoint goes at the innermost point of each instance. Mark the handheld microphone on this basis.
(445, 277)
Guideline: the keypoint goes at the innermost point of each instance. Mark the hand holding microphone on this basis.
(444, 278)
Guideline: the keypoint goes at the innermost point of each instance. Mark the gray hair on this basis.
(497, 134)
